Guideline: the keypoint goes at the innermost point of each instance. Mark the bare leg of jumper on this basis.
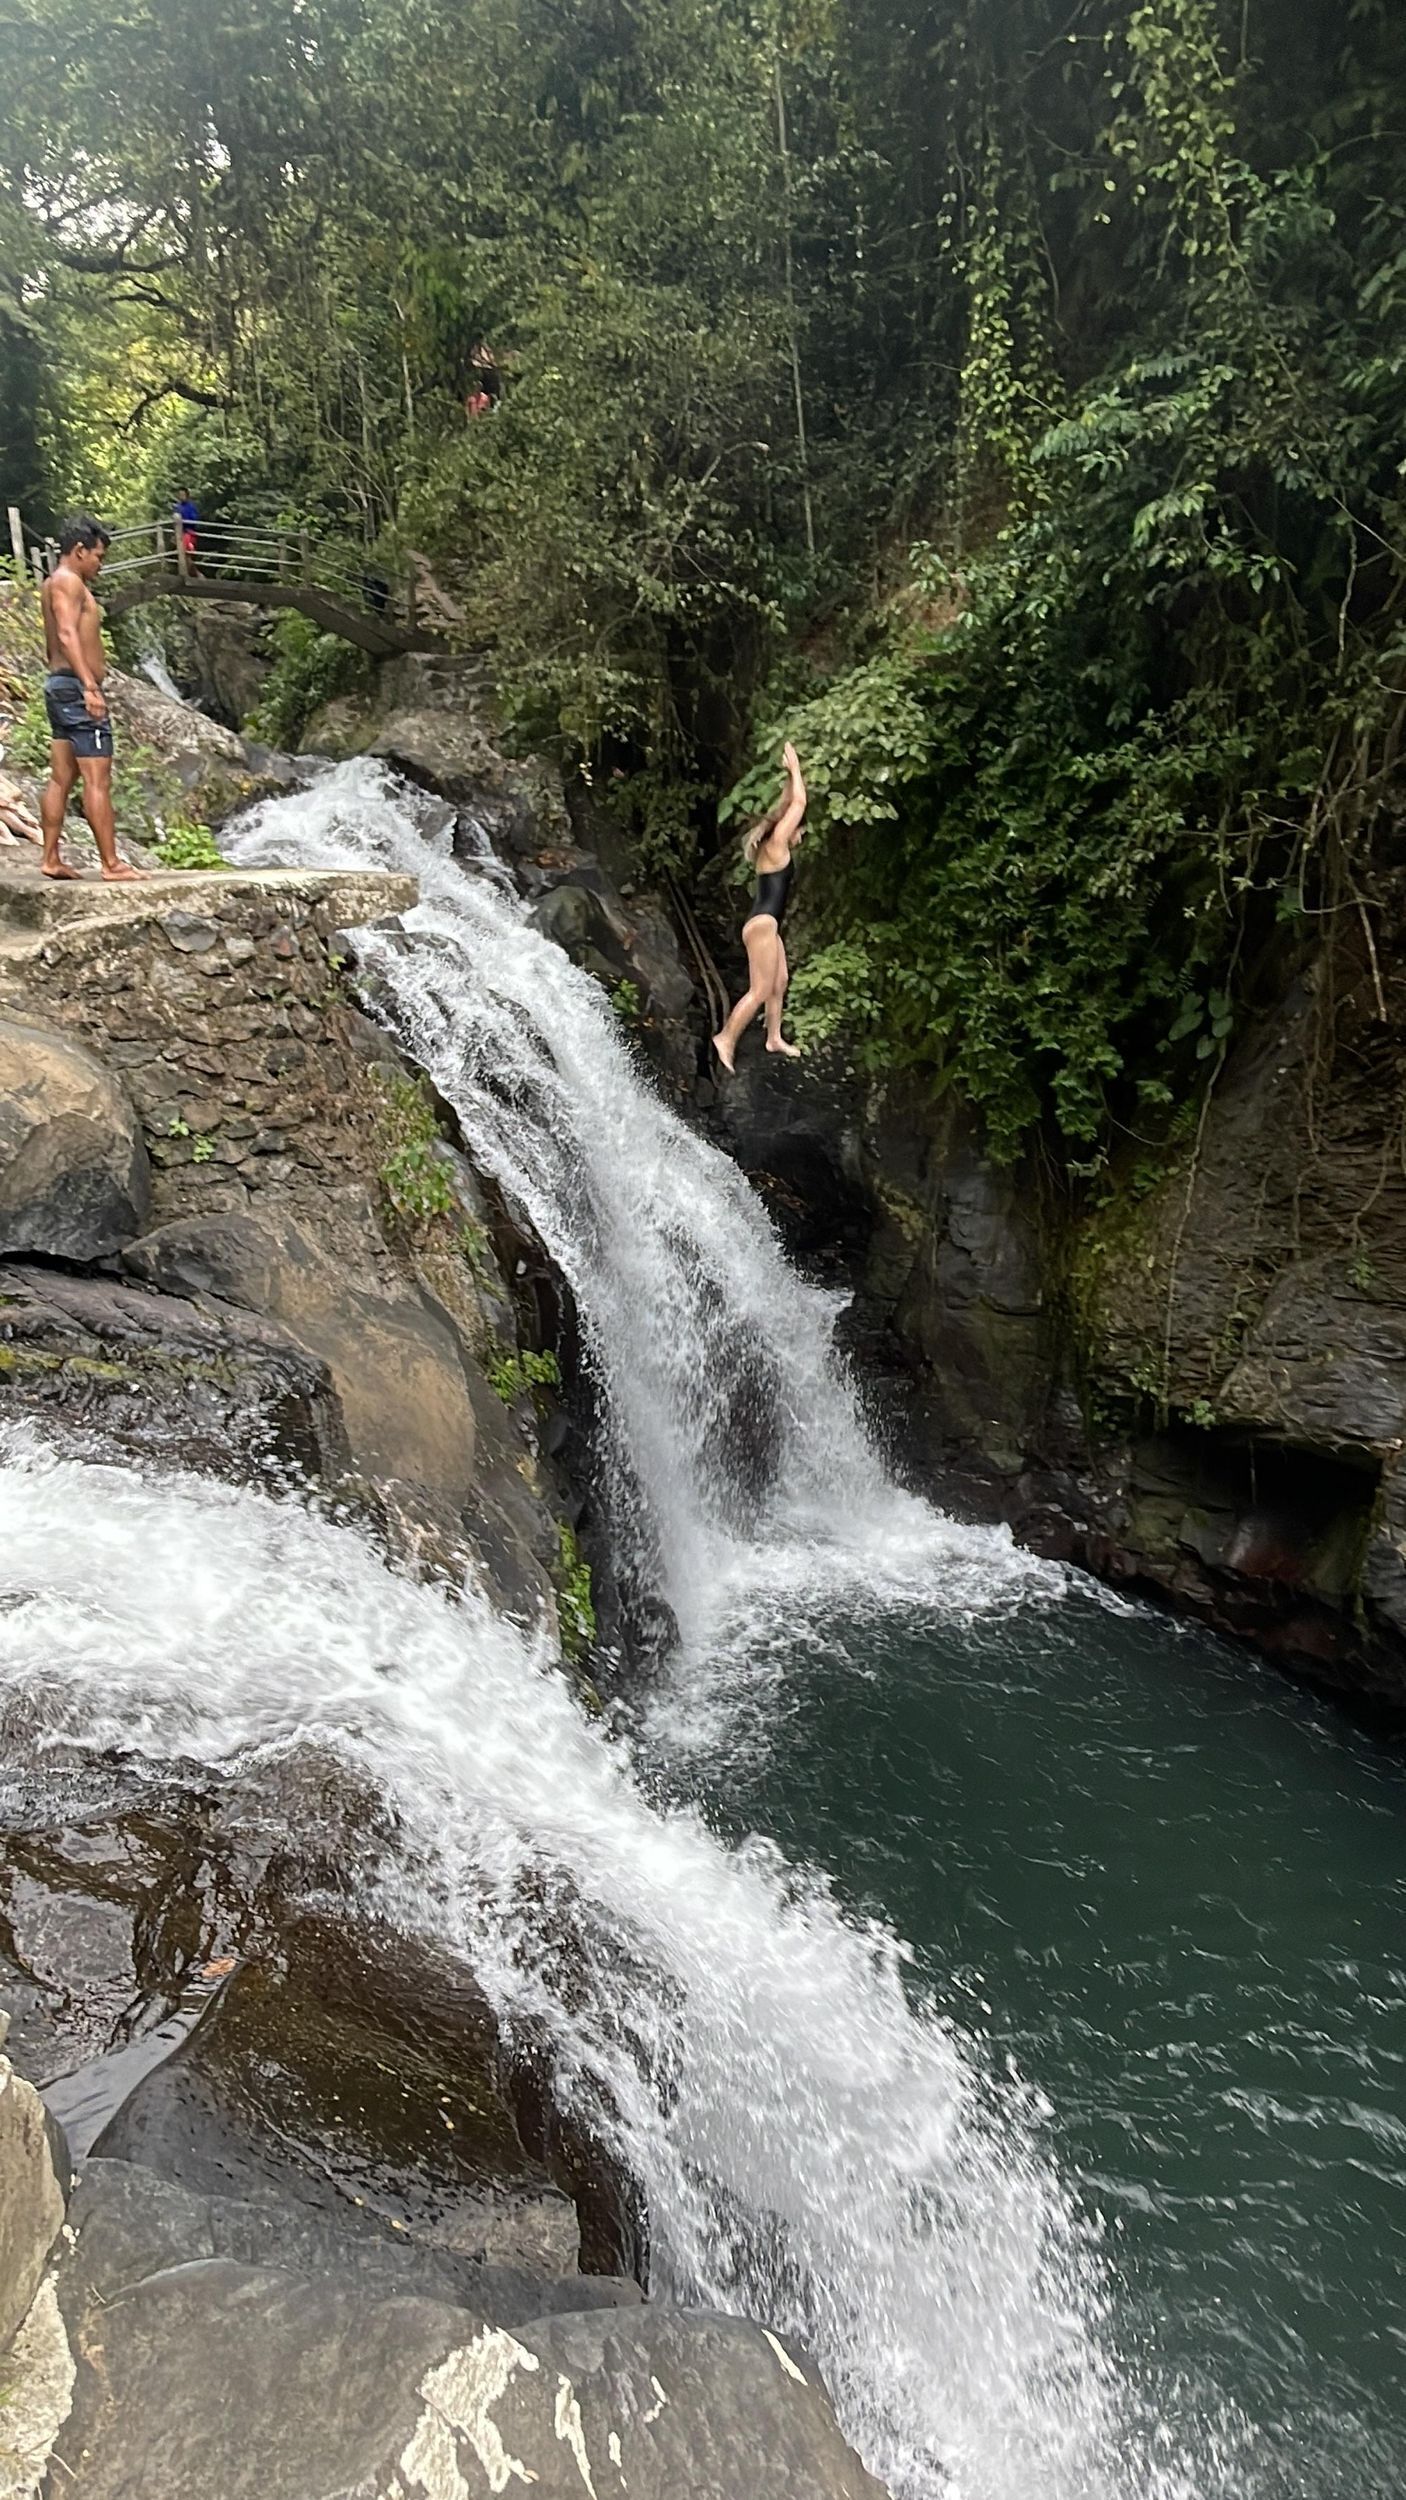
(775, 1004)
(762, 939)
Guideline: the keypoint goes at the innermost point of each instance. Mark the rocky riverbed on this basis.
(235, 1234)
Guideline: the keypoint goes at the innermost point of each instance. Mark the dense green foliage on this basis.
(308, 669)
(1022, 436)
(1143, 707)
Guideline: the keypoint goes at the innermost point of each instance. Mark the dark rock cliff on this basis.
(1195, 1384)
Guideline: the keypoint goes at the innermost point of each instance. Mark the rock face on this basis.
(404, 2393)
(1259, 1290)
(431, 719)
(394, 1359)
(207, 1020)
(958, 1258)
(32, 2164)
(226, 659)
(75, 1181)
(309, 2251)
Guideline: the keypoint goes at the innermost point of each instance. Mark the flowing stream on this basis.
(824, 2060)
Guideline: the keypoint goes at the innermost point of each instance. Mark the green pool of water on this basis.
(1172, 1887)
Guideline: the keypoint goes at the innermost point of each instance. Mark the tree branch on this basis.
(111, 265)
(172, 390)
(152, 297)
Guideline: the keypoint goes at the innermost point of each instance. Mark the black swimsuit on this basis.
(773, 886)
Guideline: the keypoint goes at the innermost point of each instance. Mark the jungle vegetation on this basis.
(1002, 397)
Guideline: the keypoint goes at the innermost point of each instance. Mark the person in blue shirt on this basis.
(188, 517)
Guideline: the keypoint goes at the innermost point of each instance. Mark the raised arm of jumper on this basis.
(793, 810)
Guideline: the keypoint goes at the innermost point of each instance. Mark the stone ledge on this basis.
(31, 905)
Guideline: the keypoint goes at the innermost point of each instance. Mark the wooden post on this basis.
(305, 555)
(160, 545)
(36, 558)
(17, 540)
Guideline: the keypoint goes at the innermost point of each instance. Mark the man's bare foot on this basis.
(122, 873)
(725, 1050)
(63, 874)
(783, 1050)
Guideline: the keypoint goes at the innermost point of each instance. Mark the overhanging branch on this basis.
(172, 390)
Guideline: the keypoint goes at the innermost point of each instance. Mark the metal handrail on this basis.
(249, 555)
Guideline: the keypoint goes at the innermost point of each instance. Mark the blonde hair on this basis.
(753, 840)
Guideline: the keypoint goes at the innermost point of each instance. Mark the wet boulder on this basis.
(75, 1182)
(335, 2083)
(182, 2009)
(394, 1360)
(33, 2172)
(381, 2387)
(629, 946)
(213, 1386)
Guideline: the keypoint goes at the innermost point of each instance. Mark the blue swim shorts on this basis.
(69, 717)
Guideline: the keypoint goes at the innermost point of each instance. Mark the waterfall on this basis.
(814, 2150)
(816, 2143)
(740, 1476)
(151, 658)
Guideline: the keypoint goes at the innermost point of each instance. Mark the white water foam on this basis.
(813, 2150)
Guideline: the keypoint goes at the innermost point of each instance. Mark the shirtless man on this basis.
(79, 727)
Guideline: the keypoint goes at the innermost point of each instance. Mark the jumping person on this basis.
(769, 845)
(79, 728)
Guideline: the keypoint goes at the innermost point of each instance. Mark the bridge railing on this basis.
(244, 552)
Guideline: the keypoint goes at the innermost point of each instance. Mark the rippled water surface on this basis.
(1174, 1889)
